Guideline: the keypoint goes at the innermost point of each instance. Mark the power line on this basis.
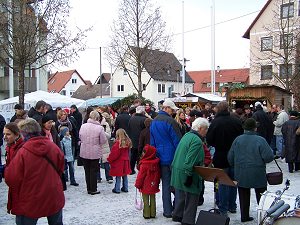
(224, 21)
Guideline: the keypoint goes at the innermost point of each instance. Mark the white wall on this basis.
(69, 87)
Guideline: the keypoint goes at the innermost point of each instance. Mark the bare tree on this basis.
(278, 47)
(139, 28)
(35, 33)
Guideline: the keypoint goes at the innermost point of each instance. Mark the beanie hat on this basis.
(46, 118)
(64, 130)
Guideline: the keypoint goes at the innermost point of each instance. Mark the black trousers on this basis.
(91, 167)
(244, 196)
(133, 158)
(294, 166)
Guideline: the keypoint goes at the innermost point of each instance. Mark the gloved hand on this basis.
(188, 182)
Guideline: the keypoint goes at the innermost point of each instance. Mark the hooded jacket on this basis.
(36, 186)
(148, 178)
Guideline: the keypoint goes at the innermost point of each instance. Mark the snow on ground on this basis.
(109, 208)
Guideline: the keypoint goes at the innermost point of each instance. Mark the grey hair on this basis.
(140, 109)
(94, 115)
(200, 122)
(29, 126)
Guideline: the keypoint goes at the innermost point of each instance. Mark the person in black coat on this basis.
(122, 119)
(38, 111)
(50, 112)
(17, 108)
(265, 127)
(135, 126)
(77, 115)
(221, 133)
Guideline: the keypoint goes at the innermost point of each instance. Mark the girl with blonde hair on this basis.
(119, 161)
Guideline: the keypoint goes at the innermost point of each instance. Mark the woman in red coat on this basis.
(119, 161)
(36, 185)
(148, 179)
(14, 142)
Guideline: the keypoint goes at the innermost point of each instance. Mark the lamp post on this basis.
(213, 72)
(100, 72)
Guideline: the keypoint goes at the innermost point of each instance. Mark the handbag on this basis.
(138, 203)
(212, 218)
(62, 176)
(275, 178)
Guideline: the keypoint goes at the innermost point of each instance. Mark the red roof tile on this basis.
(58, 80)
(201, 78)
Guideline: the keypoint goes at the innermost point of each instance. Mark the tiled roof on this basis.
(162, 65)
(58, 80)
(224, 76)
(247, 33)
(105, 78)
(86, 92)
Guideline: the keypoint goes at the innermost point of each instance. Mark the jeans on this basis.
(106, 169)
(227, 194)
(70, 165)
(124, 183)
(279, 144)
(273, 144)
(166, 190)
(56, 219)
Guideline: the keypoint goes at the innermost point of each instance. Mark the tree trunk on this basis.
(21, 86)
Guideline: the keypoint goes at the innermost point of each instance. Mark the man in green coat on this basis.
(184, 179)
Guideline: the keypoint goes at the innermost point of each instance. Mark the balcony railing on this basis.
(29, 84)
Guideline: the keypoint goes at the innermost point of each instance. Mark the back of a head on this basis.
(222, 106)
(124, 108)
(147, 122)
(200, 122)
(29, 126)
(18, 106)
(94, 115)
(140, 109)
(40, 104)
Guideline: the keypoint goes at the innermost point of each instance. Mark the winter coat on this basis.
(119, 161)
(92, 137)
(248, 155)
(11, 151)
(207, 155)
(164, 136)
(36, 186)
(148, 178)
(2, 124)
(189, 153)
(78, 117)
(281, 119)
(135, 126)
(32, 113)
(105, 147)
(265, 128)
(221, 133)
(291, 141)
(122, 121)
(66, 147)
(144, 138)
(55, 137)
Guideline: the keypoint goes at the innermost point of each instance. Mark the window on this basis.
(285, 70)
(71, 93)
(286, 41)
(120, 87)
(161, 88)
(266, 72)
(287, 10)
(208, 84)
(144, 87)
(266, 44)
(74, 81)
(63, 92)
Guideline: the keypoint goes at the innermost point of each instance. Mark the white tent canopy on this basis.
(30, 99)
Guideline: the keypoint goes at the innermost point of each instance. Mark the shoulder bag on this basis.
(62, 176)
(275, 178)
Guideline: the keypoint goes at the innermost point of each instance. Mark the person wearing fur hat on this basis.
(248, 155)
(148, 179)
(291, 142)
(66, 146)
(34, 175)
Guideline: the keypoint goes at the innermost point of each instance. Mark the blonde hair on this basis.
(177, 117)
(60, 113)
(123, 138)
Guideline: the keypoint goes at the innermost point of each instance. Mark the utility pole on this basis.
(183, 59)
(100, 72)
(213, 51)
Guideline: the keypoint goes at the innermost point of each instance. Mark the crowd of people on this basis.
(43, 144)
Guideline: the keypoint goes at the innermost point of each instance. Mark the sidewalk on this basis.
(109, 208)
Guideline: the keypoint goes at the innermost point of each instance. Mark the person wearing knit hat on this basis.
(48, 129)
(248, 156)
(66, 146)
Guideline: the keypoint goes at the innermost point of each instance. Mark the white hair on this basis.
(140, 109)
(200, 122)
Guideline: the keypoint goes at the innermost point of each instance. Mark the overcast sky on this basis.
(232, 51)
